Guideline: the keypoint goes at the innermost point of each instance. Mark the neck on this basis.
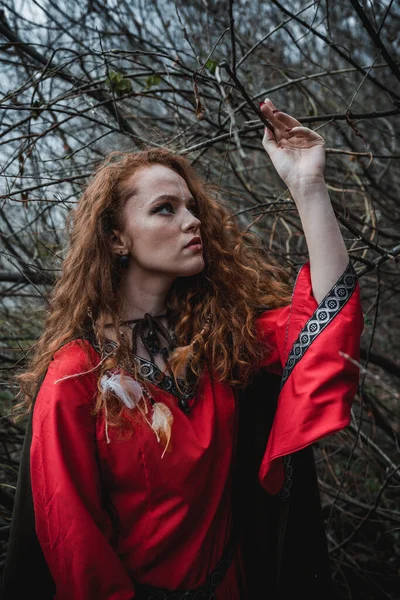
(143, 293)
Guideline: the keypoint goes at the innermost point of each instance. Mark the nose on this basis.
(190, 221)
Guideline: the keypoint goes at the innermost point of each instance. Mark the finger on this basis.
(305, 132)
(269, 142)
(278, 118)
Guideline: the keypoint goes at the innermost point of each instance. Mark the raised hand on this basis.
(297, 153)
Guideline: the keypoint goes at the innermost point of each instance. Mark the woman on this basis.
(164, 310)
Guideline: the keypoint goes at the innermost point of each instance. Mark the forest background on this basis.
(82, 77)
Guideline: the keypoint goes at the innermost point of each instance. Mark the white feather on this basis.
(161, 423)
(130, 393)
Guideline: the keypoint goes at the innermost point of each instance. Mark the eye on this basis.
(167, 206)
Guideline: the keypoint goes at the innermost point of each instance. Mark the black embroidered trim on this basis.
(328, 308)
(285, 491)
(152, 373)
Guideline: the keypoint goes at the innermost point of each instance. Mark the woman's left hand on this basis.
(298, 155)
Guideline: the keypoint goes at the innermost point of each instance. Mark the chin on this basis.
(193, 270)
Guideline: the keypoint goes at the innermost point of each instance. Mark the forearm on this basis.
(326, 247)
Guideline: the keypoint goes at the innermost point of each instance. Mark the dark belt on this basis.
(205, 592)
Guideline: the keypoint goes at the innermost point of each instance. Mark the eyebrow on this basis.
(190, 200)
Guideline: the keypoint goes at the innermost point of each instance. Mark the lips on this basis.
(194, 241)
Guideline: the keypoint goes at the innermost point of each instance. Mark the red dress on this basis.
(174, 513)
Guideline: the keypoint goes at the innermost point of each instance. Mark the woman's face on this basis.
(159, 221)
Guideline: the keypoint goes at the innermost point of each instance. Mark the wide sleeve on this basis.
(312, 346)
(72, 526)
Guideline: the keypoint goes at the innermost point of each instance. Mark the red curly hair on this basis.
(215, 310)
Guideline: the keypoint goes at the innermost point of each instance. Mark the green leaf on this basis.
(211, 65)
(118, 83)
(152, 80)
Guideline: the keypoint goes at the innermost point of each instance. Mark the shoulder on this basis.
(71, 377)
(63, 408)
(75, 356)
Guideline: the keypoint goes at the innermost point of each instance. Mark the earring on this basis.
(123, 261)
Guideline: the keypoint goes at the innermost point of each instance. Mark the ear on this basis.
(117, 241)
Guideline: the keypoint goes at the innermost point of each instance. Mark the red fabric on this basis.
(316, 399)
(175, 512)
